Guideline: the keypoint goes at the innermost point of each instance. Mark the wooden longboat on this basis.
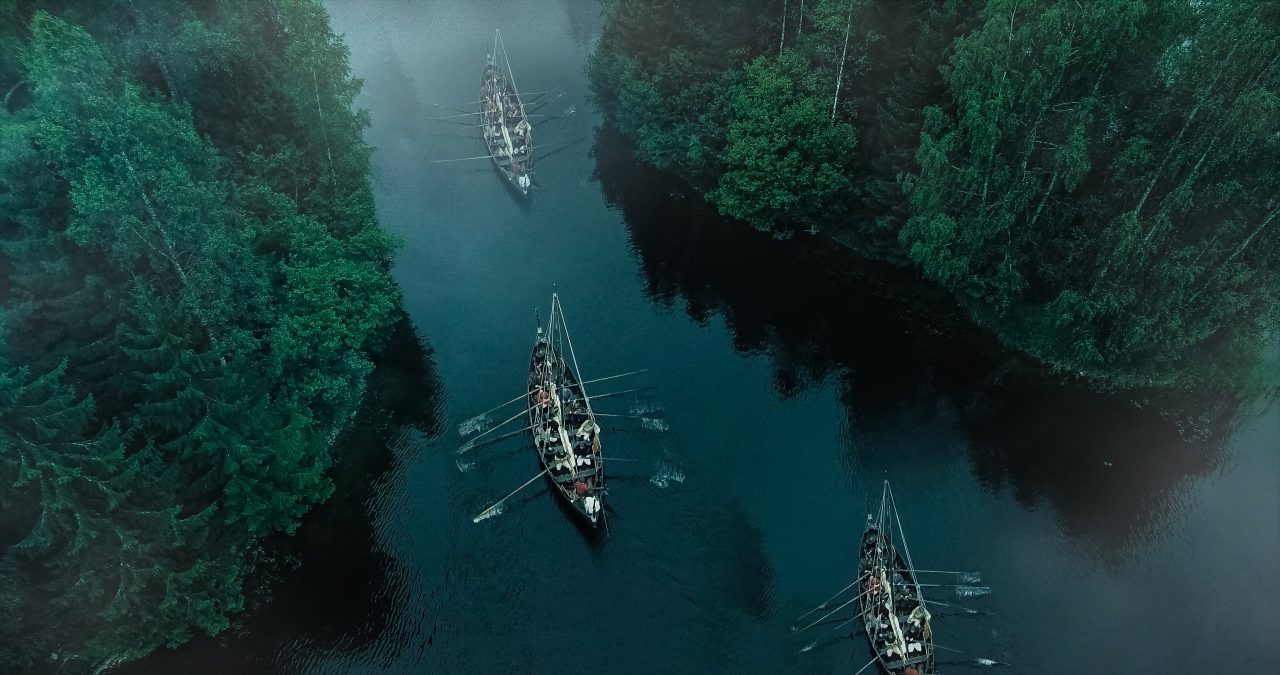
(894, 613)
(505, 127)
(565, 433)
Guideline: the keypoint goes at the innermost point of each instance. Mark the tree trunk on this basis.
(1239, 249)
(800, 22)
(844, 54)
(320, 112)
(168, 253)
(5, 105)
(1245, 244)
(1191, 116)
(1052, 181)
(782, 37)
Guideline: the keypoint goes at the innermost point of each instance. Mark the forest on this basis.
(195, 289)
(1096, 183)
(192, 283)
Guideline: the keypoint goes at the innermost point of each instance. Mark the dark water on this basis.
(793, 383)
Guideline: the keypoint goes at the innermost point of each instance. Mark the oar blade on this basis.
(961, 577)
(972, 591)
(491, 512)
(655, 424)
(477, 443)
(471, 426)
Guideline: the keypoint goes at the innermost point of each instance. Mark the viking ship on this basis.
(565, 433)
(893, 610)
(503, 122)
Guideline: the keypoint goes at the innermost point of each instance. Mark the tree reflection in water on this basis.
(1106, 465)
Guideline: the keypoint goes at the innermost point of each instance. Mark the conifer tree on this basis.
(188, 311)
(1076, 198)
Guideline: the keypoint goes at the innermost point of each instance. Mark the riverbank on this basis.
(925, 309)
(784, 419)
(195, 285)
(1063, 237)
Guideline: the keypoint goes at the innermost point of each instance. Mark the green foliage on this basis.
(664, 76)
(92, 533)
(194, 281)
(785, 157)
(1095, 182)
(1087, 202)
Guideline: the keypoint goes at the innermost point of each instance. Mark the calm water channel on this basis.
(792, 384)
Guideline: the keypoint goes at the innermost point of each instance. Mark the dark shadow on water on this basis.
(797, 300)
(906, 358)
(399, 112)
(585, 21)
(594, 536)
(1110, 469)
(330, 585)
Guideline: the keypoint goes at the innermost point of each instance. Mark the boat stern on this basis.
(593, 508)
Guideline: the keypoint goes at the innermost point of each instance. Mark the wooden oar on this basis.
(965, 577)
(472, 443)
(465, 124)
(618, 393)
(828, 614)
(465, 159)
(978, 659)
(503, 405)
(560, 149)
(630, 417)
(522, 94)
(496, 407)
(469, 125)
(833, 597)
(480, 516)
(449, 117)
(843, 623)
(460, 131)
(545, 103)
(873, 660)
(614, 377)
(966, 610)
(495, 439)
(461, 159)
(977, 590)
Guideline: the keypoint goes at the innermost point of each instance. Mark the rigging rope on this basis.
(515, 91)
(880, 517)
(555, 300)
(905, 549)
(511, 75)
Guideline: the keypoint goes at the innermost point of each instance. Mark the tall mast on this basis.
(555, 300)
(512, 76)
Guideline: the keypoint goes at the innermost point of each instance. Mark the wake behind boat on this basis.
(566, 435)
(503, 122)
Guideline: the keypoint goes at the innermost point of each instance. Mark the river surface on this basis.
(792, 384)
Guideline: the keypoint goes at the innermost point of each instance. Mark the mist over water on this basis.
(789, 382)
